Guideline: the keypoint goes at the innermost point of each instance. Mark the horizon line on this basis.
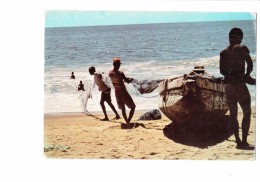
(207, 21)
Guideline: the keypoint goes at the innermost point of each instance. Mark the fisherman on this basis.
(72, 75)
(105, 93)
(81, 86)
(122, 96)
(232, 66)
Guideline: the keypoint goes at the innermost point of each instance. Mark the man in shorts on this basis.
(122, 96)
(105, 93)
(232, 65)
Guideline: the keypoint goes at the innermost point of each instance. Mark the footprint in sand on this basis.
(153, 153)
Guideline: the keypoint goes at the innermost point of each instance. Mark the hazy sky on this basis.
(93, 18)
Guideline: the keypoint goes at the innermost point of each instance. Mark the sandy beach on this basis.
(80, 136)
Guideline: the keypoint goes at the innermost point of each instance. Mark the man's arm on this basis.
(127, 80)
(222, 65)
(249, 62)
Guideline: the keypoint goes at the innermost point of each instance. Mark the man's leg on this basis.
(114, 110)
(109, 102)
(130, 104)
(132, 111)
(234, 121)
(102, 103)
(245, 122)
(232, 105)
(124, 113)
(246, 108)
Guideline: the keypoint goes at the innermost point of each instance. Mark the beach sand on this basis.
(80, 136)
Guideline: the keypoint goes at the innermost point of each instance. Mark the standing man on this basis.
(232, 66)
(105, 93)
(122, 96)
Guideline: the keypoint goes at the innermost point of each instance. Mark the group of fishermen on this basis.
(233, 60)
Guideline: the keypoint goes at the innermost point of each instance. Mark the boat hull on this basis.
(185, 100)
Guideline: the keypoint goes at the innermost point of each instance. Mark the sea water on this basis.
(148, 52)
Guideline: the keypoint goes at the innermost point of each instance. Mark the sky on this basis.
(95, 18)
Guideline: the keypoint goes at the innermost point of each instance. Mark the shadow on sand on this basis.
(200, 133)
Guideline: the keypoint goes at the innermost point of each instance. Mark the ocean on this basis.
(148, 52)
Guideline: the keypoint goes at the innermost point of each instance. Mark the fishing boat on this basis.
(194, 96)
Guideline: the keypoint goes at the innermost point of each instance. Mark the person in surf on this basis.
(81, 86)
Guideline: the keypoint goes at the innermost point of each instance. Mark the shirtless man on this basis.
(122, 96)
(105, 93)
(232, 65)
